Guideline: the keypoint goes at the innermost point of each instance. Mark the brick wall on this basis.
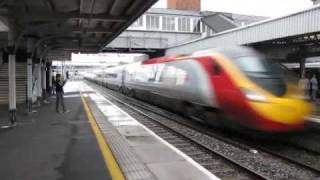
(185, 4)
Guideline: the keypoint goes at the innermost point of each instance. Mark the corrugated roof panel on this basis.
(298, 23)
(71, 25)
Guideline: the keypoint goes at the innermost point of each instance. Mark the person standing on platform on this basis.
(59, 94)
(304, 84)
(314, 87)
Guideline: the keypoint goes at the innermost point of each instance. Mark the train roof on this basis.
(160, 60)
(232, 52)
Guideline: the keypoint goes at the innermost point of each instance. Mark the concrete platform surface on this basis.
(159, 158)
(49, 146)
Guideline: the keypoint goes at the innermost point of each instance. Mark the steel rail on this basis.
(234, 162)
(245, 145)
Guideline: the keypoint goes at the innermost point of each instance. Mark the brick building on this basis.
(193, 5)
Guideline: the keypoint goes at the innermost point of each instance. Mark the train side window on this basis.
(168, 75)
(181, 77)
(217, 69)
(152, 72)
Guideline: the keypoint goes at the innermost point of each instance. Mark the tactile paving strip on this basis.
(132, 167)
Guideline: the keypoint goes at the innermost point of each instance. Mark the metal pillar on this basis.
(38, 83)
(44, 80)
(12, 88)
(1, 57)
(302, 67)
(29, 84)
(50, 79)
(12, 74)
(29, 75)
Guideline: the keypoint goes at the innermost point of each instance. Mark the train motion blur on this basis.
(236, 83)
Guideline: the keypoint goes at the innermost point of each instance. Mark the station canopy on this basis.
(59, 26)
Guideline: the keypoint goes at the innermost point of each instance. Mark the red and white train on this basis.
(236, 83)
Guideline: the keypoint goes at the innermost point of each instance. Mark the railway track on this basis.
(151, 114)
(308, 140)
(296, 153)
(292, 153)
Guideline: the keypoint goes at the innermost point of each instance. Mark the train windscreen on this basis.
(263, 72)
(252, 64)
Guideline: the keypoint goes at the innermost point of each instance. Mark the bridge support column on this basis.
(12, 88)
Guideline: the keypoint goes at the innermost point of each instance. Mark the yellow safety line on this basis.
(111, 163)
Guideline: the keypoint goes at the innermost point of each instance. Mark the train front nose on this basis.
(278, 103)
(281, 114)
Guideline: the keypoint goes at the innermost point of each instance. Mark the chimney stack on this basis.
(193, 5)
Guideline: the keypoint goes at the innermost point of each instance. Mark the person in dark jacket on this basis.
(59, 94)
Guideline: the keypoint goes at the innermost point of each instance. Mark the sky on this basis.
(269, 8)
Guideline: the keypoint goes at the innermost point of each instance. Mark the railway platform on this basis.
(95, 140)
(48, 145)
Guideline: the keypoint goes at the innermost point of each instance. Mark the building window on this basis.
(168, 23)
(196, 25)
(138, 22)
(184, 24)
(153, 22)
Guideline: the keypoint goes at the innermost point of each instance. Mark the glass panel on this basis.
(196, 25)
(168, 23)
(179, 24)
(164, 23)
(153, 22)
(184, 24)
(157, 22)
(253, 64)
(138, 23)
(187, 24)
(148, 22)
(171, 23)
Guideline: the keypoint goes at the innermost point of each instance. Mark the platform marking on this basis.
(111, 163)
(182, 154)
